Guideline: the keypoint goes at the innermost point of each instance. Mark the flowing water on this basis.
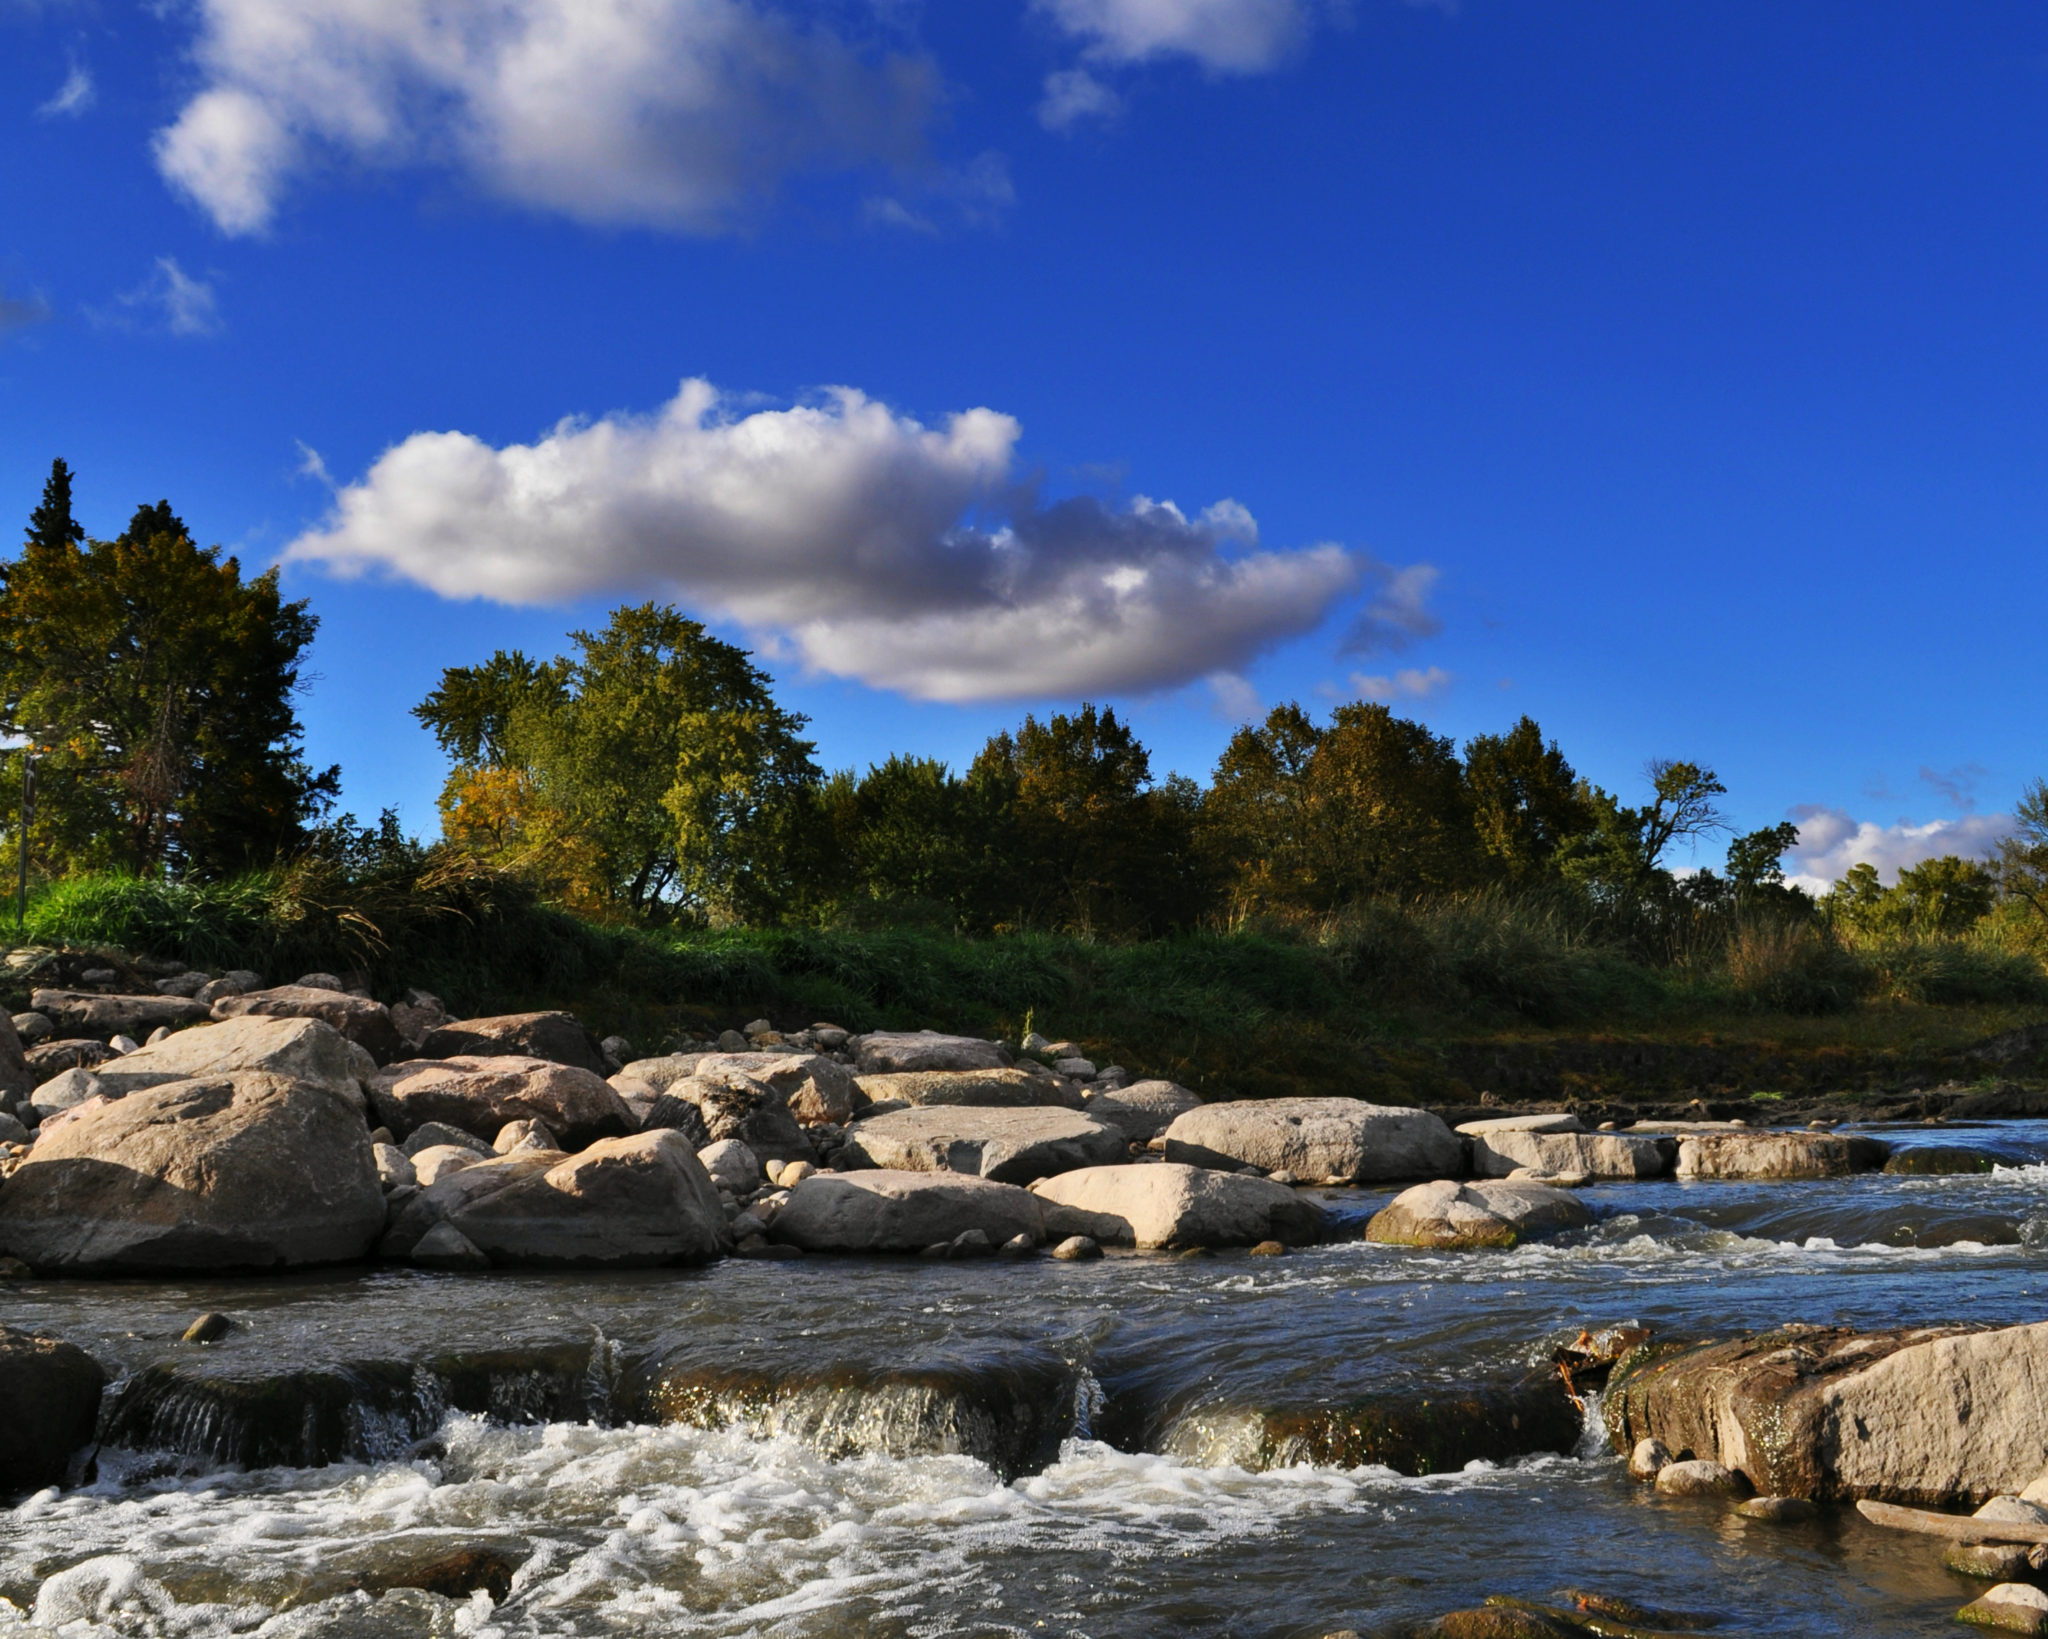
(1119, 1487)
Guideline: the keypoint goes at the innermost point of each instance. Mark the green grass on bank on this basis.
(1396, 1002)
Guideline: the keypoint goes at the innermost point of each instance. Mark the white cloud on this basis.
(1830, 841)
(863, 542)
(680, 114)
(1073, 95)
(1406, 684)
(1224, 36)
(170, 296)
(74, 96)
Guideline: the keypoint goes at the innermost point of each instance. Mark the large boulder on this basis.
(1767, 1154)
(479, 1095)
(659, 1074)
(1319, 1140)
(1929, 1416)
(52, 1394)
(556, 1036)
(984, 1089)
(886, 1211)
(888, 1050)
(1010, 1146)
(366, 1023)
(1143, 1110)
(735, 1105)
(101, 1018)
(1450, 1216)
(1600, 1155)
(298, 1049)
(237, 1171)
(1150, 1205)
(817, 1089)
(624, 1202)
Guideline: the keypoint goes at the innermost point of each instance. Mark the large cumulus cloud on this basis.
(862, 541)
(1831, 841)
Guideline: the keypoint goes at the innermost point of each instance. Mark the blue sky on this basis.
(1675, 375)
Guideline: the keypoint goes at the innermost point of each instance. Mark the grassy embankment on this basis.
(1427, 1004)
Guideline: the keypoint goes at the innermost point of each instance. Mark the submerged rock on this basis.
(480, 1094)
(891, 1211)
(1930, 1416)
(1698, 1477)
(1170, 1205)
(1939, 1160)
(1449, 1216)
(1420, 1431)
(1333, 1140)
(366, 1023)
(2011, 1607)
(555, 1036)
(1006, 1406)
(1010, 1146)
(241, 1171)
(51, 1392)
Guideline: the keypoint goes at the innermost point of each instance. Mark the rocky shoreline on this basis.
(221, 1125)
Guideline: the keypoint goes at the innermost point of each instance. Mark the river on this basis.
(1137, 1500)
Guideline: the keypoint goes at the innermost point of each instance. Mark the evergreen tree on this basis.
(51, 528)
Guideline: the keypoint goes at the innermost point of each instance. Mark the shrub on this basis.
(1792, 967)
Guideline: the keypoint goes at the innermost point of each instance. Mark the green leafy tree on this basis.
(1624, 851)
(1257, 821)
(915, 841)
(1088, 841)
(655, 756)
(1938, 897)
(2023, 856)
(155, 686)
(1528, 805)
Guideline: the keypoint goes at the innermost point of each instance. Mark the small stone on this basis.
(524, 1135)
(446, 1247)
(33, 1027)
(1033, 1042)
(731, 1041)
(1268, 1249)
(124, 1045)
(1283, 1176)
(938, 1249)
(437, 1161)
(1079, 1069)
(752, 1246)
(732, 1165)
(394, 1166)
(1018, 1246)
(618, 1049)
(382, 1135)
(321, 981)
(760, 1027)
(1697, 1477)
(971, 1243)
(1077, 1249)
(794, 1173)
(746, 1225)
(2013, 1511)
(1649, 1459)
(15, 1269)
(210, 1327)
(161, 1033)
(1608, 1127)
(1777, 1510)
(430, 1135)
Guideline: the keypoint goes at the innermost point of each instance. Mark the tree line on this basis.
(649, 775)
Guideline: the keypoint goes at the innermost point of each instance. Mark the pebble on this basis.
(1269, 1249)
(210, 1327)
(971, 1243)
(124, 1045)
(1648, 1459)
(1283, 1176)
(1077, 1249)
(794, 1173)
(1018, 1246)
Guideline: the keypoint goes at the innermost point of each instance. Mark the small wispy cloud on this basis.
(1407, 684)
(1073, 95)
(73, 97)
(1958, 785)
(312, 465)
(169, 297)
(1396, 613)
(1233, 697)
(19, 312)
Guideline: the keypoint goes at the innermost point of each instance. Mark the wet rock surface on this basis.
(1776, 1155)
(1449, 1216)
